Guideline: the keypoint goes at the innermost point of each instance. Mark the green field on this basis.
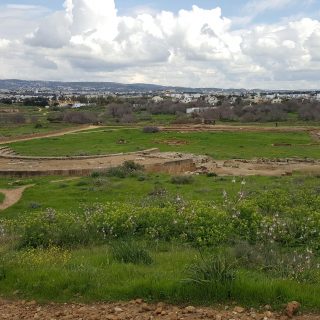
(11, 131)
(61, 241)
(226, 145)
(125, 234)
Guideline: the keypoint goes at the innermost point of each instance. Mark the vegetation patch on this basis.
(2, 197)
(130, 252)
(219, 145)
(182, 180)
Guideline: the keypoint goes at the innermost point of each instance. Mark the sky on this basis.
(267, 44)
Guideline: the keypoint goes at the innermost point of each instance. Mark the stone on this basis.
(146, 307)
(139, 301)
(292, 308)
(158, 310)
(239, 309)
(190, 309)
(268, 314)
(117, 310)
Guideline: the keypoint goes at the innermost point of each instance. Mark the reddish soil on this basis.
(136, 309)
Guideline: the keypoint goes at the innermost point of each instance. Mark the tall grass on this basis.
(92, 274)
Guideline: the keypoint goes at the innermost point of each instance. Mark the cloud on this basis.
(256, 7)
(89, 40)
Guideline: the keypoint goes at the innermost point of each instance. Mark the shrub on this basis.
(218, 271)
(151, 130)
(211, 174)
(34, 205)
(96, 174)
(129, 168)
(130, 252)
(101, 182)
(38, 125)
(182, 180)
(80, 117)
(82, 183)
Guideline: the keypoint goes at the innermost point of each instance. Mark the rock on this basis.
(239, 309)
(145, 307)
(190, 309)
(268, 314)
(218, 317)
(267, 307)
(292, 308)
(158, 310)
(117, 310)
(139, 301)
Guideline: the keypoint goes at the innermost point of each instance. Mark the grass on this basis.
(92, 274)
(14, 130)
(219, 145)
(2, 197)
(154, 271)
(88, 190)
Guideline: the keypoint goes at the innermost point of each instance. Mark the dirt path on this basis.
(12, 196)
(47, 135)
(136, 309)
(229, 128)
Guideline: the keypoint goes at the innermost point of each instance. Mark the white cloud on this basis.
(89, 40)
(255, 7)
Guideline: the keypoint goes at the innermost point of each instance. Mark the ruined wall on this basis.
(173, 167)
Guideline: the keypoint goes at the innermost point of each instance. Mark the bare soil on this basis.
(136, 309)
(12, 196)
(263, 167)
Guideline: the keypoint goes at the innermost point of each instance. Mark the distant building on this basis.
(157, 99)
(276, 101)
(212, 100)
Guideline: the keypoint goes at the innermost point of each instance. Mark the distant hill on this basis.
(14, 84)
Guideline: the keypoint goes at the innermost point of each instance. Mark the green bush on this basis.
(129, 168)
(219, 268)
(182, 180)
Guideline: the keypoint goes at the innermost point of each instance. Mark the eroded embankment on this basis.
(82, 166)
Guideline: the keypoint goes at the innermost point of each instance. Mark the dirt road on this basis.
(136, 309)
(12, 196)
(46, 135)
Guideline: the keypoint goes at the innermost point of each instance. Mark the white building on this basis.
(276, 100)
(157, 99)
(212, 100)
